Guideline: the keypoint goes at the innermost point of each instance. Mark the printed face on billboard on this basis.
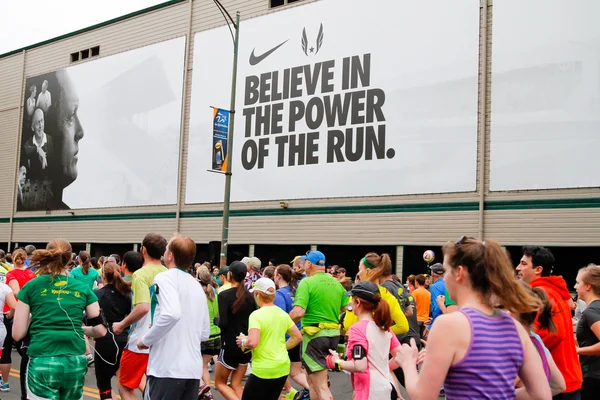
(545, 121)
(103, 133)
(340, 98)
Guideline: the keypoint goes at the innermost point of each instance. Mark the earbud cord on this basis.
(83, 337)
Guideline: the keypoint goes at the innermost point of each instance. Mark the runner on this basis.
(373, 268)
(16, 279)
(235, 306)
(477, 352)
(57, 364)
(212, 346)
(535, 269)
(423, 302)
(180, 322)
(134, 360)
(115, 301)
(588, 330)
(284, 299)
(319, 301)
(84, 272)
(132, 261)
(253, 264)
(370, 342)
(223, 272)
(267, 328)
(544, 315)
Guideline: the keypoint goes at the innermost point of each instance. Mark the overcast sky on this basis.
(25, 22)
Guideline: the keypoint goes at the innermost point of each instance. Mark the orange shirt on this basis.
(423, 301)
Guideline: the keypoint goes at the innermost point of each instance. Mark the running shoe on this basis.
(291, 394)
(90, 359)
(304, 395)
(203, 391)
(4, 387)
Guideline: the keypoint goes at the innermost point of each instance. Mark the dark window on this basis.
(85, 54)
(95, 51)
(74, 57)
(277, 3)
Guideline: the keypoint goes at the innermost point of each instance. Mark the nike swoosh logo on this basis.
(256, 59)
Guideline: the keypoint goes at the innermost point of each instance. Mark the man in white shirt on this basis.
(180, 324)
(44, 100)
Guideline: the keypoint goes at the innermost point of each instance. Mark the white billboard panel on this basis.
(104, 133)
(545, 121)
(341, 98)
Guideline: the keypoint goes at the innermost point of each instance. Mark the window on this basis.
(278, 3)
(85, 54)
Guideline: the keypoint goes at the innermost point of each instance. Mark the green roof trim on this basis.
(91, 28)
(493, 205)
(94, 217)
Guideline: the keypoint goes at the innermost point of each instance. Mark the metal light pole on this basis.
(226, 200)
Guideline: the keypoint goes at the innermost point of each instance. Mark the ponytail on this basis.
(242, 295)
(289, 276)
(490, 272)
(377, 265)
(84, 259)
(206, 281)
(111, 273)
(54, 259)
(381, 312)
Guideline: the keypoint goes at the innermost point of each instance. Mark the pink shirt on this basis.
(377, 381)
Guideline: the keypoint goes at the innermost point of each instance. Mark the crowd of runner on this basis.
(473, 327)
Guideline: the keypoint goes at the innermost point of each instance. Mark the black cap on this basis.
(223, 270)
(239, 270)
(437, 269)
(364, 290)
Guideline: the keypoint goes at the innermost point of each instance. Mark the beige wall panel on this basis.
(9, 121)
(384, 228)
(4, 227)
(545, 194)
(156, 26)
(10, 85)
(92, 231)
(553, 227)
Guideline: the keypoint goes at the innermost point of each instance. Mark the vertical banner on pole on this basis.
(220, 138)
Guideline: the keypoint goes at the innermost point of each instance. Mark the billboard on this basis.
(545, 115)
(341, 98)
(103, 133)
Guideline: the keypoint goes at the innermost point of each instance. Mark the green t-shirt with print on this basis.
(89, 278)
(56, 307)
(270, 358)
(322, 297)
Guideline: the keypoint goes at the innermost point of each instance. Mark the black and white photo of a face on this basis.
(37, 125)
(68, 130)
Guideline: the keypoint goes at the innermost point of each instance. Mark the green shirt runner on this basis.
(52, 332)
(89, 278)
(322, 297)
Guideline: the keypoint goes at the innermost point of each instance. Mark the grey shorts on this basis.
(171, 388)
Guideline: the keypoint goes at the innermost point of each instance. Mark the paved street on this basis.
(340, 384)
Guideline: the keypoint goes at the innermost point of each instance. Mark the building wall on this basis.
(557, 217)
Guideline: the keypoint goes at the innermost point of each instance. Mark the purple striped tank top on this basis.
(492, 362)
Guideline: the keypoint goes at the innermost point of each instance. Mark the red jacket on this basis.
(562, 342)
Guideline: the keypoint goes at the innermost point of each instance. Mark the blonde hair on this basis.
(205, 279)
(590, 275)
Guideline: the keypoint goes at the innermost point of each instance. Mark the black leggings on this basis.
(21, 349)
(590, 389)
(105, 347)
(263, 389)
